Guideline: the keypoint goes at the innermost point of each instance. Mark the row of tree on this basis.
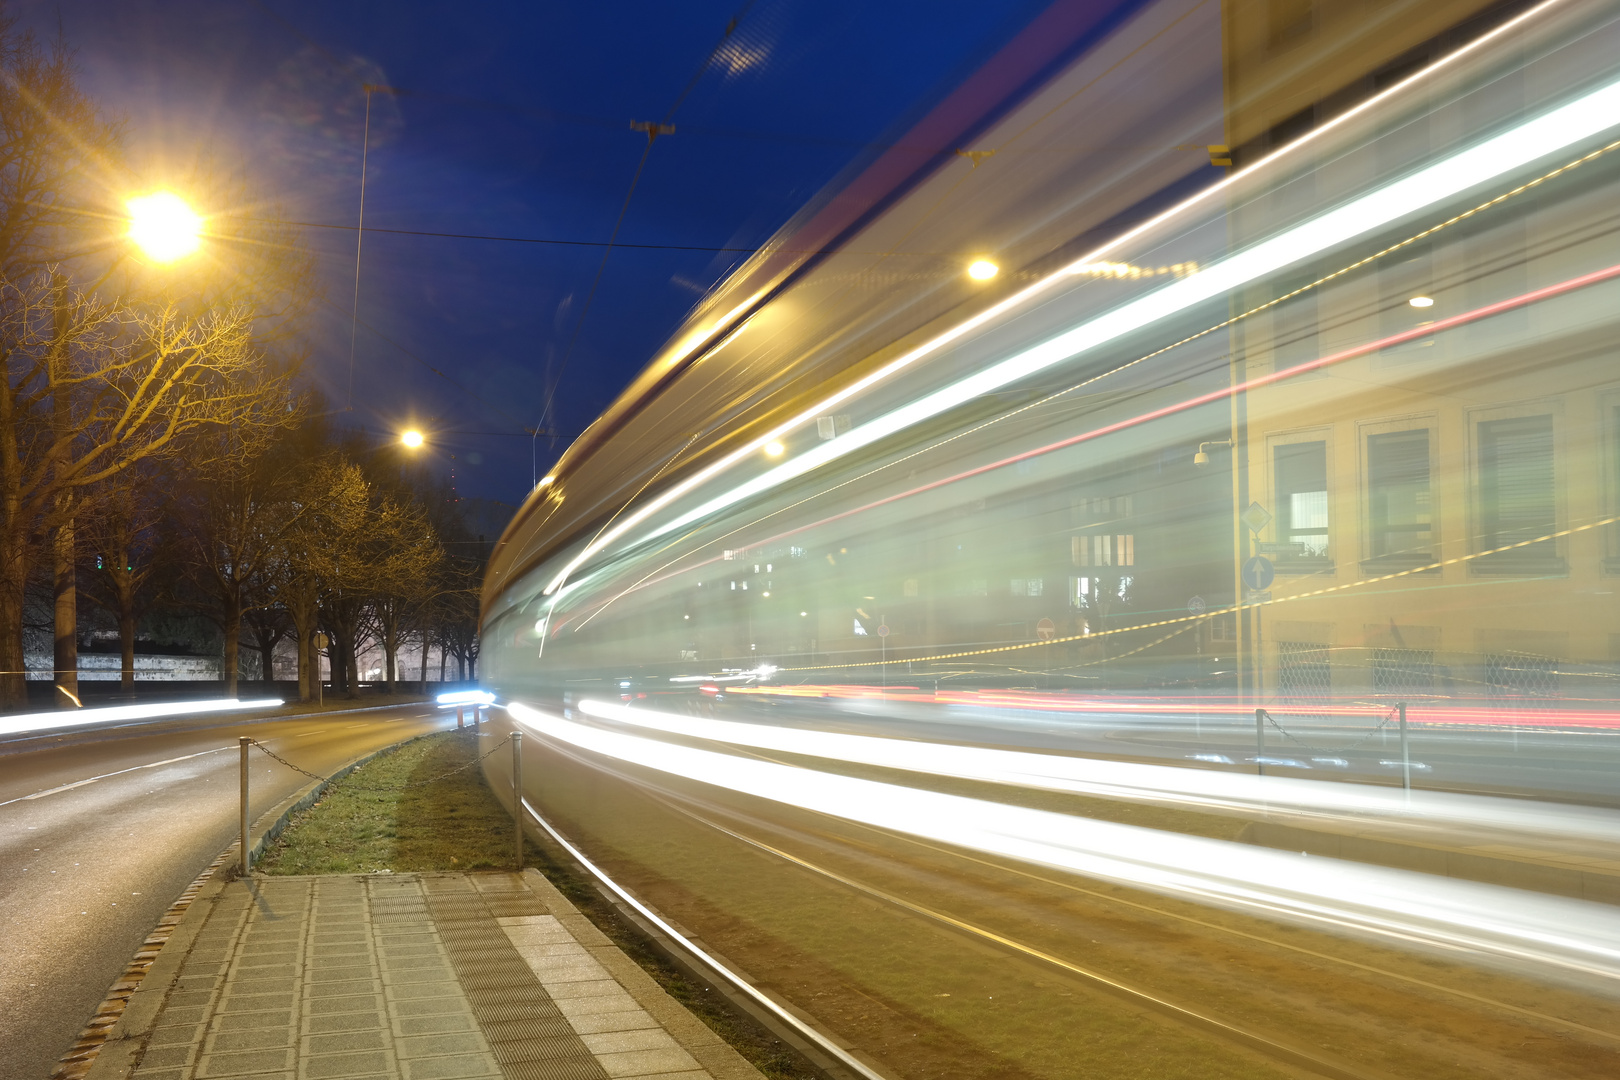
(156, 441)
(311, 532)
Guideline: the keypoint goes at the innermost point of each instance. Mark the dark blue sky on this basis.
(514, 121)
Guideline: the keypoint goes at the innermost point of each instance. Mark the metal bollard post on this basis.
(1259, 741)
(517, 798)
(460, 721)
(247, 855)
(1406, 754)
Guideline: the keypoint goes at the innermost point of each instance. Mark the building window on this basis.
(1027, 586)
(1517, 504)
(1118, 549)
(1302, 497)
(1398, 495)
(1293, 332)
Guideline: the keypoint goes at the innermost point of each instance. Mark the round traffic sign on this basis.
(1258, 573)
(1046, 628)
(1195, 606)
(883, 631)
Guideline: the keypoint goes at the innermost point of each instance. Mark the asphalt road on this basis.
(100, 831)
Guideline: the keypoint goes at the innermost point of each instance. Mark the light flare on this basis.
(163, 226)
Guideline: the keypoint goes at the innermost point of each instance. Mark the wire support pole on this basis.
(247, 852)
(517, 800)
(1260, 718)
(1406, 754)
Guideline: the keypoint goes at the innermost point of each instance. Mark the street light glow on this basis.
(412, 438)
(982, 269)
(163, 226)
(774, 448)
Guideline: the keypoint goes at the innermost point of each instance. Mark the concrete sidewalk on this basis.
(419, 976)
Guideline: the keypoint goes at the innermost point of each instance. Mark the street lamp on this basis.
(163, 226)
(412, 439)
(982, 269)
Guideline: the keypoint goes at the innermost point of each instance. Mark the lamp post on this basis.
(165, 229)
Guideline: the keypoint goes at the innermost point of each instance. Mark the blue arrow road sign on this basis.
(1258, 572)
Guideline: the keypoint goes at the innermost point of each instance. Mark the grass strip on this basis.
(371, 822)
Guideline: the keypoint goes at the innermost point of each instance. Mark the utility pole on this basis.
(63, 548)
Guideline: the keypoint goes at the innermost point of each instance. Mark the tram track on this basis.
(869, 869)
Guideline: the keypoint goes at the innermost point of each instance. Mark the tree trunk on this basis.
(232, 625)
(13, 585)
(305, 616)
(306, 692)
(444, 655)
(390, 658)
(67, 617)
(126, 647)
(351, 667)
(424, 662)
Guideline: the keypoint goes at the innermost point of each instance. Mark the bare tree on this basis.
(404, 568)
(314, 551)
(118, 532)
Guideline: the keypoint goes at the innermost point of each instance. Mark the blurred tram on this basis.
(1123, 584)
(1200, 379)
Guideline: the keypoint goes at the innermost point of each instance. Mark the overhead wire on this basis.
(653, 130)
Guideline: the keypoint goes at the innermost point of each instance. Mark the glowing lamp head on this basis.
(413, 439)
(1421, 301)
(982, 269)
(163, 226)
(774, 448)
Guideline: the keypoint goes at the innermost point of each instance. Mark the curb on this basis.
(82, 1055)
(107, 1025)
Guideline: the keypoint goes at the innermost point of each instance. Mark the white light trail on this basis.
(1513, 149)
(1168, 785)
(1079, 266)
(48, 721)
(1552, 935)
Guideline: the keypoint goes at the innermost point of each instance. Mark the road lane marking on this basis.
(307, 734)
(104, 776)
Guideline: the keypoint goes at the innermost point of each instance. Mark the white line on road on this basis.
(120, 772)
(307, 734)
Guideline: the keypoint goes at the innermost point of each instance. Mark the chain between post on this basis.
(415, 784)
(1380, 726)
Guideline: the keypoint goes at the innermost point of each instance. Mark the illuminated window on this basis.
(1118, 549)
(1302, 497)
